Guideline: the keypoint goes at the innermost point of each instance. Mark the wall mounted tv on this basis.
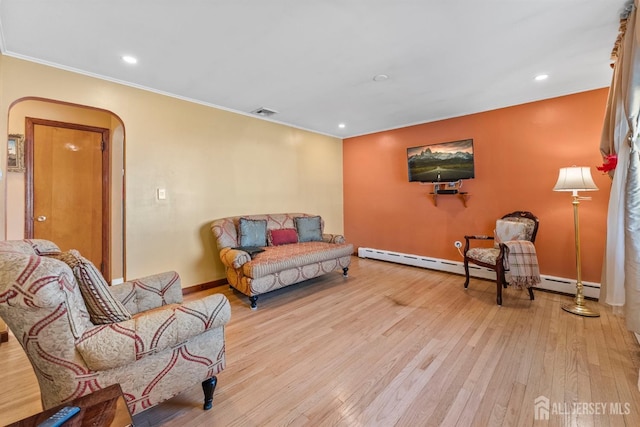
(443, 162)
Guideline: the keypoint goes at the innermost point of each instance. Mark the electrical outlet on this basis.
(162, 194)
(457, 244)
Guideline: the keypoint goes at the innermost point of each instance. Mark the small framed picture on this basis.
(15, 153)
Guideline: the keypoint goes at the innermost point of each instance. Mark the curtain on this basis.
(621, 270)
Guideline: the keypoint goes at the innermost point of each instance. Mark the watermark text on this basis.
(544, 408)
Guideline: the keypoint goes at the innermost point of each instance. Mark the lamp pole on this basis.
(578, 307)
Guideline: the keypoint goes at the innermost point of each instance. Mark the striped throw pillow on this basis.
(103, 308)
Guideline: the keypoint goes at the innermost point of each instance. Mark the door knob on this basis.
(41, 218)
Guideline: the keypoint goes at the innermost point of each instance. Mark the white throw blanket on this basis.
(521, 264)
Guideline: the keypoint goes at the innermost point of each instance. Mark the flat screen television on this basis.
(443, 162)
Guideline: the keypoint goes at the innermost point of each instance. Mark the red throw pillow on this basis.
(283, 236)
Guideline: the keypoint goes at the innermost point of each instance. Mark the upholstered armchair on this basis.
(519, 227)
(81, 335)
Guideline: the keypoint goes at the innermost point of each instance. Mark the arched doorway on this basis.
(18, 196)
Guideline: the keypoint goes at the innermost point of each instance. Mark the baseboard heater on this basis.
(552, 283)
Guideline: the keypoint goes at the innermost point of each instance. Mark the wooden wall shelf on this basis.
(464, 196)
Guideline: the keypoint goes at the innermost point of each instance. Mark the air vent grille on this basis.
(264, 112)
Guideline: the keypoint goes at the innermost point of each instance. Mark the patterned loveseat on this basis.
(80, 339)
(293, 248)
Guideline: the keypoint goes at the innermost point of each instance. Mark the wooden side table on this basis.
(105, 407)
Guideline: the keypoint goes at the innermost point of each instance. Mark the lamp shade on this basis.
(575, 178)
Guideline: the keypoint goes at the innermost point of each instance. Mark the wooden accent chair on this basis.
(82, 335)
(519, 225)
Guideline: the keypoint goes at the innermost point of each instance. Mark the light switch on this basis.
(162, 193)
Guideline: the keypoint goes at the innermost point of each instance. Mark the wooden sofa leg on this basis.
(209, 386)
(254, 302)
(531, 293)
(345, 272)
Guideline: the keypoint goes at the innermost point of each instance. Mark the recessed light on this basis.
(541, 77)
(380, 77)
(342, 126)
(129, 59)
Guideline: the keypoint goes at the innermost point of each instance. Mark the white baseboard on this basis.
(117, 281)
(552, 283)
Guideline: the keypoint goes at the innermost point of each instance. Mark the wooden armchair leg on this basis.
(466, 273)
(500, 280)
(531, 293)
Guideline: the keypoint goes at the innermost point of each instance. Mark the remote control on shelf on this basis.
(57, 419)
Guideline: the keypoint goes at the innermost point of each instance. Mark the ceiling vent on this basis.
(264, 112)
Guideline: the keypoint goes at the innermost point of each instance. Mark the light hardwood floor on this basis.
(395, 345)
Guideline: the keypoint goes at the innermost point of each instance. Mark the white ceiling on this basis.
(314, 61)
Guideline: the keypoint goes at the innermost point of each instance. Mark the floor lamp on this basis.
(574, 179)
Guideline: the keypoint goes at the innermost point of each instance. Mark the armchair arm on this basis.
(149, 292)
(333, 238)
(234, 258)
(110, 346)
(479, 237)
(467, 240)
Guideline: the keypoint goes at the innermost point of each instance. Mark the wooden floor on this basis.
(395, 345)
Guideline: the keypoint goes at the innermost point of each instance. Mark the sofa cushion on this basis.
(253, 232)
(309, 228)
(103, 308)
(227, 234)
(283, 236)
(278, 258)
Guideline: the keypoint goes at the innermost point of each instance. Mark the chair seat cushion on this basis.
(485, 255)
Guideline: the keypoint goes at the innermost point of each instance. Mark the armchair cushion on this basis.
(110, 346)
(511, 230)
(103, 308)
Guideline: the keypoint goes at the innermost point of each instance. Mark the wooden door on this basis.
(67, 185)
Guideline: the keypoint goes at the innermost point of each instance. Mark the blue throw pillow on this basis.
(253, 232)
(309, 228)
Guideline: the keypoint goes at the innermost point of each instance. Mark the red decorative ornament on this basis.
(610, 163)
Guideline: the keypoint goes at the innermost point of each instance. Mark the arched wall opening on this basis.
(83, 115)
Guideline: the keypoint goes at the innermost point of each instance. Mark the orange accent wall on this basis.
(518, 152)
